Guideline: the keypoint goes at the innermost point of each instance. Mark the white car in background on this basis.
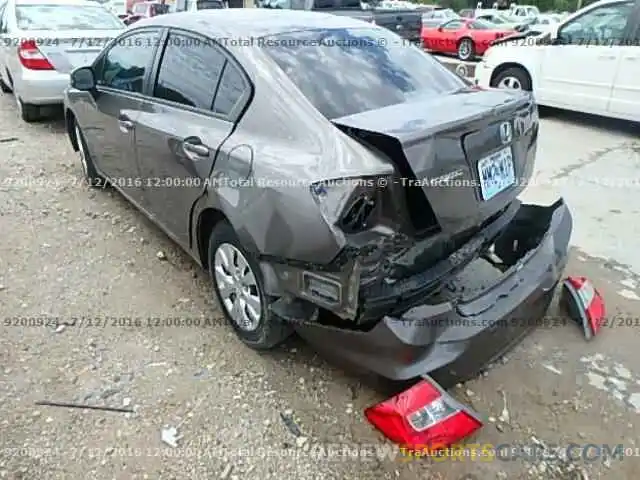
(41, 41)
(590, 62)
(523, 11)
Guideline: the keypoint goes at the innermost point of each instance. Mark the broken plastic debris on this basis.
(584, 304)
(553, 369)
(290, 423)
(170, 436)
(504, 416)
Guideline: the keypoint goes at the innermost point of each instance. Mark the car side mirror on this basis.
(83, 79)
(440, 29)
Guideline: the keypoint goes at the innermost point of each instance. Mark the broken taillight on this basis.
(31, 57)
(584, 304)
(423, 418)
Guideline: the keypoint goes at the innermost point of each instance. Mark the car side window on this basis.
(189, 71)
(125, 65)
(603, 25)
(452, 25)
(231, 89)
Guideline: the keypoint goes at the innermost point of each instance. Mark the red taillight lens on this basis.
(424, 418)
(584, 304)
(31, 57)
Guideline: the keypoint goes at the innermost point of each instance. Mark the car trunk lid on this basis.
(468, 153)
(66, 50)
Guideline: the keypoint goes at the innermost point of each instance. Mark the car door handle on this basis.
(194, 148)
(607, 57)
(631, 59)
(125, 124)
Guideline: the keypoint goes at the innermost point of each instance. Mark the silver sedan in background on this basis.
(41, 41)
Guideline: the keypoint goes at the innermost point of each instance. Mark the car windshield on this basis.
(500, 19)
(65, 17)
(349, 71)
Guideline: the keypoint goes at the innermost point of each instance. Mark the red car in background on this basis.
(466, 37)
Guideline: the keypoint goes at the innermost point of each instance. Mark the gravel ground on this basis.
(67, 252)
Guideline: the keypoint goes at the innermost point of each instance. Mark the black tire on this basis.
(270, 331)
(466, 49)
(517, 73)
(28, 112)
(4, 87)
(89, 172)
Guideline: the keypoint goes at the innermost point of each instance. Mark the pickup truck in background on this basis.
(406, 23)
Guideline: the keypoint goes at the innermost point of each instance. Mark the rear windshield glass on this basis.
(349, 71)
(480, 24)
(140, 8)
(209, 4)
(66, 17)
(336, 4)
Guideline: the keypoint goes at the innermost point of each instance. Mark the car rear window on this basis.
(349, 71)
(480, 24)
(336, 4)
(140, 8)
(209, 4)
(66, 17)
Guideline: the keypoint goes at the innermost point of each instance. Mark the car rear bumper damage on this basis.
(482, 308)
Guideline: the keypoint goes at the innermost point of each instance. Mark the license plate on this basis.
(496, 173)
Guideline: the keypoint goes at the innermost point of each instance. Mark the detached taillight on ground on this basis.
(584, 304)
(423, 418)
(31, 57)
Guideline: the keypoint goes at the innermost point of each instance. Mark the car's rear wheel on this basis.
(512, 78)
(466, 49)
(28, 112)
(89, 172)
(238, 284)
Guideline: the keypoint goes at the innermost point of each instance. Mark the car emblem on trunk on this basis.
(505, 133)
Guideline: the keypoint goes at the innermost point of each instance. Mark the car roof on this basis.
(253, 22)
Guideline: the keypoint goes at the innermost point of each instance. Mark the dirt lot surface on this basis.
(66, 252)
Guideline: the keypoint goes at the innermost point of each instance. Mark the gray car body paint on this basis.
(282, 136)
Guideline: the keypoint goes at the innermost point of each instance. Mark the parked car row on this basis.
(405, 22)
(589, 63)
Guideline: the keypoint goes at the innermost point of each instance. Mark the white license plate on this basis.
(496, 173)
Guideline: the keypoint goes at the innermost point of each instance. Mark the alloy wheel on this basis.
(238, 288)
(510, 82)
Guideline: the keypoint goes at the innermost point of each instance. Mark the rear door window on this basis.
(189, 71)
(231, 90)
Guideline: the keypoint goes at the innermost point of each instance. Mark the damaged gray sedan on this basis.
(333, 180)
